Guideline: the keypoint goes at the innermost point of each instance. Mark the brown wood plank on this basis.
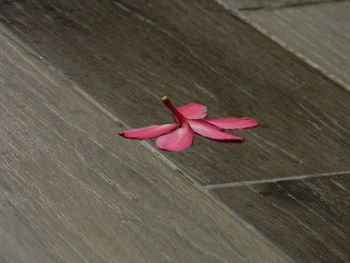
(308, 219)
(128, 55)
(317, 33)
(72, 191)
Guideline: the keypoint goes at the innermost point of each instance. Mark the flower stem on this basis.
(170, 106)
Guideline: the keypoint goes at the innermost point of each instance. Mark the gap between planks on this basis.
(272, 180)
(291, 5)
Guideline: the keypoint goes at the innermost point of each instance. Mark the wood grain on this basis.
(73, 191)
(317, 33)
(308, 219)
(127, 55)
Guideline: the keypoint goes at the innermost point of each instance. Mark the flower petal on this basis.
(177, 140)
(233, 123)
(193, 111)
(210, 131)
(149, 131)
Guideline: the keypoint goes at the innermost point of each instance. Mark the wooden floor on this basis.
(326, 48)
(73, 73)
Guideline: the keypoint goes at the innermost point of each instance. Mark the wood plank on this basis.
(239, 5)
(72, 191)
(127, 56)
(308, 219)
(317, 33)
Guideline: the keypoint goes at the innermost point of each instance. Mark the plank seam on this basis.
(273, 180)
(283, 6)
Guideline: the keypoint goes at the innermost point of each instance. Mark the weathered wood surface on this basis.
(73, 191)
(317, 33)
(127, 55)
(309, 219)
(239, 5)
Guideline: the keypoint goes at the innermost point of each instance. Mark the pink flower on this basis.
(189, 119)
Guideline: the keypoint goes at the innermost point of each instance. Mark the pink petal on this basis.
(210, 131)
(233, 123)
(149, 131)
(193, 111)
(177, 140)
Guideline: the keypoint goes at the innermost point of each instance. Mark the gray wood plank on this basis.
(308, 219)
(128, 55)
(73, 191)
(319, 34)
(238, 5)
